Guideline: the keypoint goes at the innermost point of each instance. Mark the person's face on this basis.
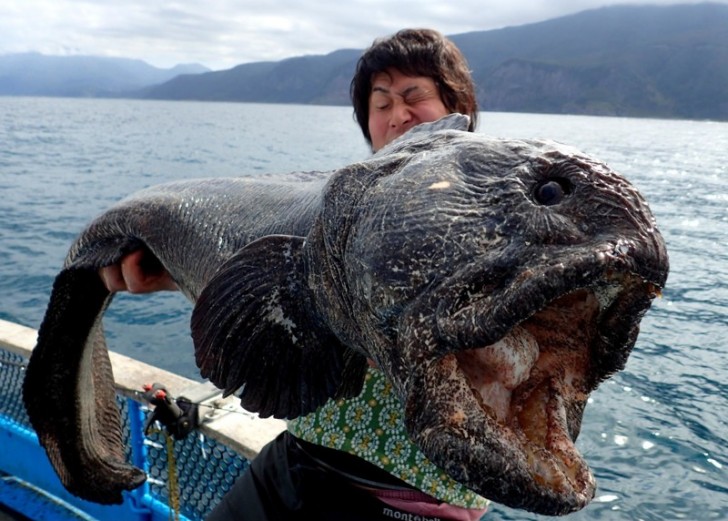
(398, 102)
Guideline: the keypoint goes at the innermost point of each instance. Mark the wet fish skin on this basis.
(472, 242)
(190, 228)
(434, 251)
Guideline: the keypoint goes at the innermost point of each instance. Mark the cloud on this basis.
(224, 33)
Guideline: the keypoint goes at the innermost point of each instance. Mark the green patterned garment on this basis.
(371, 426)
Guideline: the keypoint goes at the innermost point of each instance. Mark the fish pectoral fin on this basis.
(255, 327)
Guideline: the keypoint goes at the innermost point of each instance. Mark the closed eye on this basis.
(381, 99)
(415, 94)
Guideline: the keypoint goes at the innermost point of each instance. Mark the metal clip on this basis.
(179, 417)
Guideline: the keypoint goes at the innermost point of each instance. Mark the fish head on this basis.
(496, 283)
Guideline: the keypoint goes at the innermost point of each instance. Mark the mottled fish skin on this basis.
(474, 244)
(190, 228)
(495, 282)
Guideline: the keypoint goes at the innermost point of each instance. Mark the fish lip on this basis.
(624, 283)
(462, 323)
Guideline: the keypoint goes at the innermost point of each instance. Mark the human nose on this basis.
(401, 115)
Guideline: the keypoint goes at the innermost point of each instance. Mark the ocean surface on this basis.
(656, 434)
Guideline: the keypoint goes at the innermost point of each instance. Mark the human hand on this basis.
(138, 272)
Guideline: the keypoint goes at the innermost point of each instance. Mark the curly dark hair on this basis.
(416, 52)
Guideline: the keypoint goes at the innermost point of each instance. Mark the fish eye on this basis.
(552, 191)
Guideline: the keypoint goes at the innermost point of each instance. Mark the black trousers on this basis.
(284, 483)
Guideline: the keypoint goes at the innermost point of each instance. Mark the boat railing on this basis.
(185, 478)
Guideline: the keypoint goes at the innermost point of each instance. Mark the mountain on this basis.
(647, 61)
(669, 61)
(303, 79)
(33, 74)
(627, 60)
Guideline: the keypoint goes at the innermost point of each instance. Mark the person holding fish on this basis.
(352, 459)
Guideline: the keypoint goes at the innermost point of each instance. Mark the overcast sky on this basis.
(223, 33)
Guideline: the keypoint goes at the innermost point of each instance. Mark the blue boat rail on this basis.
(183, 483)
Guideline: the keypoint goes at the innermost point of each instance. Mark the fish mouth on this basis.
(533, 385)
(500, 412)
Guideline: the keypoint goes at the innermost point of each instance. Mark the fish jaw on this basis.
(517, 451)
(503, 419)
(503, 432)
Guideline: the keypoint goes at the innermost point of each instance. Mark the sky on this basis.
(220, 34)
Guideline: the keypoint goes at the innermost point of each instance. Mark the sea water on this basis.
(656, 434)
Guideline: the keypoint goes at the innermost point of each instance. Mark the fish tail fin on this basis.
(70, 369)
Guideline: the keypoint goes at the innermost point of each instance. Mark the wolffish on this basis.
(495, 282)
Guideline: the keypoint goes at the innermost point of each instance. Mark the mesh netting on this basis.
(12, 370)
(205, 469)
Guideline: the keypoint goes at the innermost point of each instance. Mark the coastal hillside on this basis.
(642, 61)
(34, 74)
(669, 61)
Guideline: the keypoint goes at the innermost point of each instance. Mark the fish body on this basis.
(495, 282)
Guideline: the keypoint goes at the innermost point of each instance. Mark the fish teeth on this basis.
(493, 372)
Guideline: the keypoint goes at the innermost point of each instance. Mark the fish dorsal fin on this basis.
(255, 327)
(454, 121)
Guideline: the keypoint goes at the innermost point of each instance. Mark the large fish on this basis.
(495, 282)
